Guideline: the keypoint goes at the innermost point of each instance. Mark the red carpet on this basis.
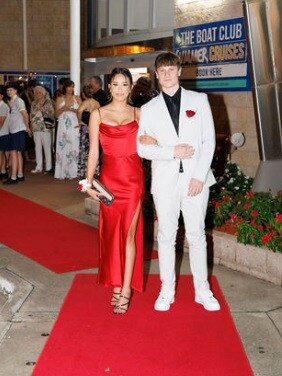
(88, 340)
(59, 243)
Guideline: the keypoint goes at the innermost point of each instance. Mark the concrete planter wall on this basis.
(256, 261)
(225, 250)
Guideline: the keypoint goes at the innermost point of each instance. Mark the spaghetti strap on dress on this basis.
(100, 115)
(122, 173)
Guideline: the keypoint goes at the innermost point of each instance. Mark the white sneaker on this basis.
(35, 171)
(164, 301)
(206, 298)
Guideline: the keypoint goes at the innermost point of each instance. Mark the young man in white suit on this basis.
(181, 123)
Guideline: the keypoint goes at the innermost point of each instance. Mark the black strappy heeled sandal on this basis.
(115, 298)
(120, 308)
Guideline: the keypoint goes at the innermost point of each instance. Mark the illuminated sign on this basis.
(214, 55)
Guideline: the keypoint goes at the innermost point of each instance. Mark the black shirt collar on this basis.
(175, 96)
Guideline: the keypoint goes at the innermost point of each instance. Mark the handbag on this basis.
(106, 196)
(49, 122)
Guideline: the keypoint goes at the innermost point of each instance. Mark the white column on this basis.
(75, 44)
(24, 37)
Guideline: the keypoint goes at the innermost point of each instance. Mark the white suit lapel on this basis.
(165, 118)
(187, 103)
(183, 105)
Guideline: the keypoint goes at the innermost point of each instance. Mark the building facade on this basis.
(36, 38)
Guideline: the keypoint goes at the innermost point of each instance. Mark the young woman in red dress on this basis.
(115, 126)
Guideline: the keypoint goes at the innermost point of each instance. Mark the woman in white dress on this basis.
(67, 146)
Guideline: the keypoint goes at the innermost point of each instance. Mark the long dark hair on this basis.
(126, 73)
(67, 83)
(120, 70)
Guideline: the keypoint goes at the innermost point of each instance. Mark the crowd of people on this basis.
(52, 130)
(174, 129)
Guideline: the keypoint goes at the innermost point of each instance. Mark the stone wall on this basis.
(11, 46)
(233, 111)
(258, 262)
(48, 34)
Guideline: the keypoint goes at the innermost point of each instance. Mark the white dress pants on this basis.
(193, 209)
(43, 140)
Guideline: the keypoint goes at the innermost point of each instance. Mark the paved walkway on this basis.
(31, 296)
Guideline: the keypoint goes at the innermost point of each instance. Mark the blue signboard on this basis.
(214, 55)
(49, 80)
(46, 81)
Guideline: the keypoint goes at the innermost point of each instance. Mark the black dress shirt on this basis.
(173, 106)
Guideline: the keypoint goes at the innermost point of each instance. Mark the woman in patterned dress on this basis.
(67, 146)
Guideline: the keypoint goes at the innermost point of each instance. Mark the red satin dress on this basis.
(121, 173)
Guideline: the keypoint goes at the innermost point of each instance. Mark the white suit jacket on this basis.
(197, 130)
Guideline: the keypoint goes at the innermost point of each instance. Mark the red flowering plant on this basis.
(255, 216)
(261, 220)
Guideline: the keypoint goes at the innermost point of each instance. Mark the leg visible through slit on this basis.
(130, 253)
